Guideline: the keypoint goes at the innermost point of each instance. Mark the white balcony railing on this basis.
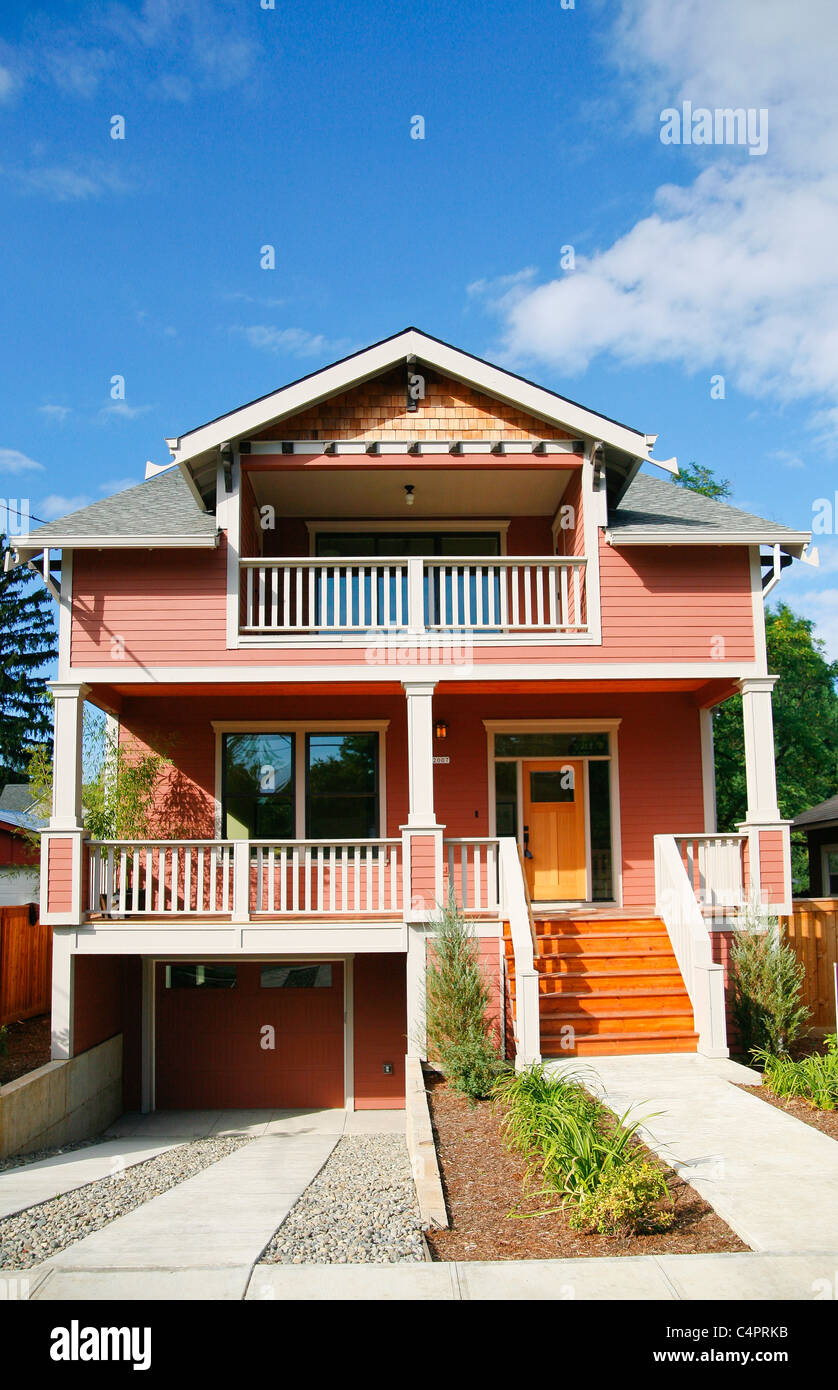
(342, 876)
(470, 874)
(495, 594)
(240, 878)
(160, 878)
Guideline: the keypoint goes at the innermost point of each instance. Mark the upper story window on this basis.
(258, 786)
(338, 786)
(357, 544)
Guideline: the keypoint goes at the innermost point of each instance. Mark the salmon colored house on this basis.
(409, 628)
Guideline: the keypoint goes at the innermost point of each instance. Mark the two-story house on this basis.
(411, 627)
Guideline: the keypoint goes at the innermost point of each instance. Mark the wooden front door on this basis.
(554, 821)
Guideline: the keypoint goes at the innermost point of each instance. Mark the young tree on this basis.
(698, 478)
(805, 729)
(28, 645)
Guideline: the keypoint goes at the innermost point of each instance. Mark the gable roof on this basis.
(195, 451)
(823, 814)
(159, 512)
(655, 511)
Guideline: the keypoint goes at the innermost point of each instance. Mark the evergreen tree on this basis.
(27, 646)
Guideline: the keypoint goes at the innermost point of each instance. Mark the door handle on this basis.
(528, 854)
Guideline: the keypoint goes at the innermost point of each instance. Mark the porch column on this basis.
(760, 773)
(61, 844)
(67, 755)
(422, 840)
(769, 845)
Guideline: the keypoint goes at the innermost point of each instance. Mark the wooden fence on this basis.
(25, 964)
(812, 930)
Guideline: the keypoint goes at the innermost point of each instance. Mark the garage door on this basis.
(249, 1035)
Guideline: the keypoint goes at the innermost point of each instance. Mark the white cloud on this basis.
(56, 505)
(734, 272)
(58, 413)
(10, 84)
(66, 183)
(294, 342)
(13, 461)
(121, 410)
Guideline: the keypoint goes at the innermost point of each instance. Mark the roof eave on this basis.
(33, 545)
(352, 371)
(794, 542)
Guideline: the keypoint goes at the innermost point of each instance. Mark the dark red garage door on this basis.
(216, 1021)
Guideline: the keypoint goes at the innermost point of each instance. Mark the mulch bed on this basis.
(27, 1047)
(824, 1120)
(482, 1182)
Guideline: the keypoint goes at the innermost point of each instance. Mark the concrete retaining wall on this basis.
(421, 1148)
(63, 1101)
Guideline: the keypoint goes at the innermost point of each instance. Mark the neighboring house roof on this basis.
(655, 511)
(162, 511)
(21, 820)
(17, 808)
(16, 796)
(824, 814)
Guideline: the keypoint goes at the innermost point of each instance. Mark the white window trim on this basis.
(299, 728)
(396, 525)
(826, 850)
(575, 726)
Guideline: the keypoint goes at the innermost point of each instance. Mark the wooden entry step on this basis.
(609, 983)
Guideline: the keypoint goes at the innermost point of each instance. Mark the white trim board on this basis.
(379, 357)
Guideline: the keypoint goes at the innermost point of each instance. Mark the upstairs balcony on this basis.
(413, 595)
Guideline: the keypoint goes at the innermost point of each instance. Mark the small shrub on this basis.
(766, 979)
(460, 1036)
(577, 1150)
(4, 1041)
(813, 1079)
(629, 1200)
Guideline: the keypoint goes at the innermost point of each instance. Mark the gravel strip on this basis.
(37, 1234)
(21, 1160)
(360, 1209)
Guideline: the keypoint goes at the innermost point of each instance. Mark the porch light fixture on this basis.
(408, 494)
(441, 729)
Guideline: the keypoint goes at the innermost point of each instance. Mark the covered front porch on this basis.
(292, 817)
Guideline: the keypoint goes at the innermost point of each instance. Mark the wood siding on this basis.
(659, 604)
(812, 929)
(25, 965)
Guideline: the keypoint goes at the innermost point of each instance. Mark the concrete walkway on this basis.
(771, 1177)
(205, 1124)
(656, 1278)
(36, 1182)
(219, 1220)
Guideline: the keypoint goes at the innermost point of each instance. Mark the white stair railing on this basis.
(715, 868)
(676, 904)
(514, 909)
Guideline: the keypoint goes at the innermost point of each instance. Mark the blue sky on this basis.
(291, 126)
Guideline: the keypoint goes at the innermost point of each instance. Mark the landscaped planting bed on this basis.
(36, 1234)
(824, 1120)
(27, 1046)
(360, 1209)
(484, 1183)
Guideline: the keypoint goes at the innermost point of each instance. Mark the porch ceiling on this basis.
(707, 693)
(371, 491)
